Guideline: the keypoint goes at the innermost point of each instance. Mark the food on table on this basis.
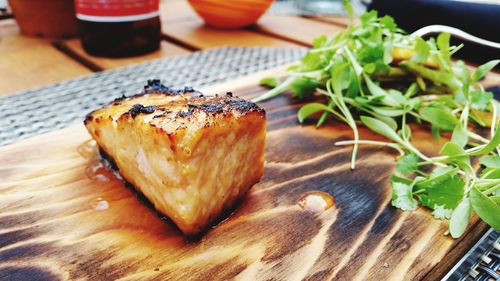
(377, 75)
(193, 156)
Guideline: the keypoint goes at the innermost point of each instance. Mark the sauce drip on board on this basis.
(98, 171)
(88, 149)
(99, 204)
(316, 201)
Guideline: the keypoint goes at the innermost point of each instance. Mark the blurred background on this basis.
(56, 19)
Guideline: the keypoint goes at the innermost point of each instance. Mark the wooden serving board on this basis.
(52, 229)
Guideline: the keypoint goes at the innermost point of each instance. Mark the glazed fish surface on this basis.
(192, 156)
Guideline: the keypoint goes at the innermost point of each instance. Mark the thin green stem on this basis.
(491, 190)
(413, 149)
(418, 191)
(486, 183)
(381, 143)
(421, 173)
(350, 121)
(494, 117)
(477, 137)
(464, 117)
(275, 91)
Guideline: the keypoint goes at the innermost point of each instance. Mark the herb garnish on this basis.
(377, 75)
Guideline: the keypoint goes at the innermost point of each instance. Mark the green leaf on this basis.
(310, 109)
(490, 161)
(441, 213)
(490, 173)
(485, 208)
(436, 133)
(342, 75)
(389, 121)
(456, 154)
(494, 142)
(389, 23)
(422, 50)
(371, 53)
(348, 8)
(374, 88)
(452, 149)
(440, 117)
(407, 164)
(406, 132)
(387, 111)
(312, 61)
(482, 70)
(446, 192)
(387, 52)
(398, 97)
(443, 43)
(402, 196)
(439, 174)
(460, 218)
(369, 68)
(459, 136)
(270, 82)
(481, 99)
(354, 63)
(319, 42)
(462, 72)
(443, 58)
(381, 128)
(368, 17)
(353, 88)
(303, 86)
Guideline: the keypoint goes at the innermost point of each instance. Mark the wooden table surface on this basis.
(28, 62)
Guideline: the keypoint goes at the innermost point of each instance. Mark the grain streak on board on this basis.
(49, 227)
(374, 255)
(406, 262)
(357, 244)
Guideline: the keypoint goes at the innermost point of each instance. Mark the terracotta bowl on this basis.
(51, 18)
(230, 13)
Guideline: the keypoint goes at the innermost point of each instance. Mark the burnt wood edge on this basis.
(459, 248)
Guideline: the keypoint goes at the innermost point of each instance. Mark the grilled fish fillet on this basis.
(192, 156)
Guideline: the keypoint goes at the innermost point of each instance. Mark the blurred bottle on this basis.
(119, 28)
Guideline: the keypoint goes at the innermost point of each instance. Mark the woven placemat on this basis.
(56, 106)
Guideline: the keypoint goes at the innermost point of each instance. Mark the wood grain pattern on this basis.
(176, 11)
(50, 229)
(182, 25)
(194, 34)
(296, 29)
(31, 62)
(338, 20)
(166, 50)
